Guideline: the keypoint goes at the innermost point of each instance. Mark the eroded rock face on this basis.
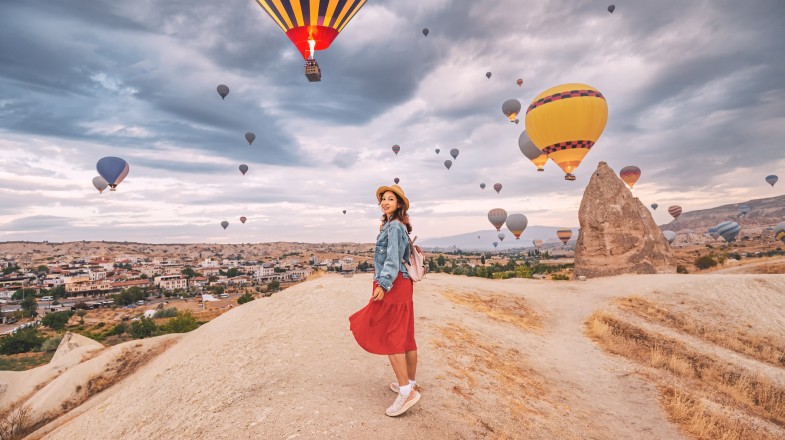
(618, 234)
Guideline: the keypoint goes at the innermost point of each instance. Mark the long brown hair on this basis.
(400, 214)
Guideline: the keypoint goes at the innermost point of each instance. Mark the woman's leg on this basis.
(398, 362)
(411, 364)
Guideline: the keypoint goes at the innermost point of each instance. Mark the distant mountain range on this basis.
(469, 241)
(762, 213)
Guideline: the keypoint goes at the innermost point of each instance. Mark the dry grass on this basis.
(503, 308)
(475, 363)
(727, 385)
(17, 424)
(765, 348)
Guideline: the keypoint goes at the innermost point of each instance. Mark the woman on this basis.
(386, 324)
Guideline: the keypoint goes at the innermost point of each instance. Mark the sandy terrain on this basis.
(498, 359)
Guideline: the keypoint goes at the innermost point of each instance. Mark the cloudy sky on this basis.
(695, 93)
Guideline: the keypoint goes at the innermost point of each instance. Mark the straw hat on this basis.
(397, 190)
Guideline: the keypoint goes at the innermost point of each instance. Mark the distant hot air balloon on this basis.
(250, 136)
(516, 121)
(501, 236)
(396, 149)
(113, 170)
(611, 8)
(311, 25)
(243, 169)
(224, 224)
(425, 31)
(344, 212)
(564, 235)
(396, 180)
(675, 211)
(519, 82)
(713, 232)
(744, 209)
(497, 187)
(531, 151)
(495, 243)
(630, 174)
(100, 183)
(654, 206)
(728, 230)
(779, 232)
(488, 75)
(537, 243)
(497, 217)
(437, 151)
(565, 122)
(511, 108)
(243, 219)
(517, 223)
(772, 179)
(454, 153)
(448, 163)
(669, 235)
(482, 186)
(223, 90)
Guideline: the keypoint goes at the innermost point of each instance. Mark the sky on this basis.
(695, 94)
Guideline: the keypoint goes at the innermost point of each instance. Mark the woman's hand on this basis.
(378, 294)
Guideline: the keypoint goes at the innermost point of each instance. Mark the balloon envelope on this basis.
(454, 153)
(501, 236)
(448, 163)
(675, 211)
(488, 75)
(669, 235)
(779, 232)
(113, 170)
(630, 174)
(249, 137)
(425, 31)
(511, 108)
(519, 82)
(537, 243)
(497, 217)
(344, 211)
(243, 169)
(565, 122)
(396, 149)
(482, 186)
(772, 179)
(100, 183)
(223, 90)
(744, 209)
(517, 223)
(531, 151)
(396, 180)
(243, 219)
(611, 8)
(728, 230)
(437, 151)
(495, 243)
(564, 234)
(497, 187)
(224, 224)
(654, 206)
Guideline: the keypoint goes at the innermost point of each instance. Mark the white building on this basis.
(171, 282)
(209, 262)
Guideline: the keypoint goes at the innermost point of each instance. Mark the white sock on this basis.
(405, 390)
(412, 383)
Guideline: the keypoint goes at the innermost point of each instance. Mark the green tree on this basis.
(58, 291)
(233, 272)
(273, 285)
(144, 328)
(29, 306)
(482, 259)
(188, 272)
(22, 341)
(441, 261)
(10, 269)
(43, 268)
(22, 294)
(129, 296)
(247, 297)
(705, 262)
(57, 320)
(184, 322)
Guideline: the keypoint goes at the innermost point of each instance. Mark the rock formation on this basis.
(618, 234)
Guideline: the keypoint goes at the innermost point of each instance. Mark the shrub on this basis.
(170, 312)
(560, 277)
(118, 329)
(183, 323)
(144, 328)
(681, 269)
(56, 320)
(245, 298)
(22, 341)
(51, 344)
(705, 262)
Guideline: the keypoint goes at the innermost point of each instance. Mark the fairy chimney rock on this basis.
(618, 234)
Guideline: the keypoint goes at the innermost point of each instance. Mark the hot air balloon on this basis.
(113, 170)
(223, 90)
(519, 82)
(454, 153)
(564, 234)
(396, 149)
(611, 8)
(516, 121)
(501, 236)
(495, 243)
(744, 209)
(224, 224)
(497, 217)
(531, 151)
(396, 180)
(772, 179)
(482, 186)
(311, 25)
(488, 75)
(654, 206)
(713, 232)
(243, 169)
(537, 243)
(517, 223)
(565, 122)
(630, 174)
(100, 183)
(779, 232)
(675, 211)
(243, 219)
(437, 151)
(728, 230)
(250, 136)
(344, 212)
(425, 31)
(669, 235)
(497, 187)
(448, 163)
(511, 108)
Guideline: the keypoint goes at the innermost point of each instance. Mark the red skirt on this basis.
(387, 326)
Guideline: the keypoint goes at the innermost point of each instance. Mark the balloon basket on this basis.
(312, 70)
(569, 176)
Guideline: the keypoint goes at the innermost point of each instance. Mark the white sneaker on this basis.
(402, 404)
(396, 388)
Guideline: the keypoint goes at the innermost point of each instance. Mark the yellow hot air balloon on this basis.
(565, 122)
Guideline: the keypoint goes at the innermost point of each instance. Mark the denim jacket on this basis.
(392, 246)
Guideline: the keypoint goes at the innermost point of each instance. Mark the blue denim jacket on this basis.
(392, 246)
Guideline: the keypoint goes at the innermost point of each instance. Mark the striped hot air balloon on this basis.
(728, 230)
(675, 211)
(564, 234)
(497, 217)
(396, 148)
(630, 175)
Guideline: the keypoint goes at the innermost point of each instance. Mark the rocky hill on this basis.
(763, 213)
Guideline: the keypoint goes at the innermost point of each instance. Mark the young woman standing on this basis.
(386, 325)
